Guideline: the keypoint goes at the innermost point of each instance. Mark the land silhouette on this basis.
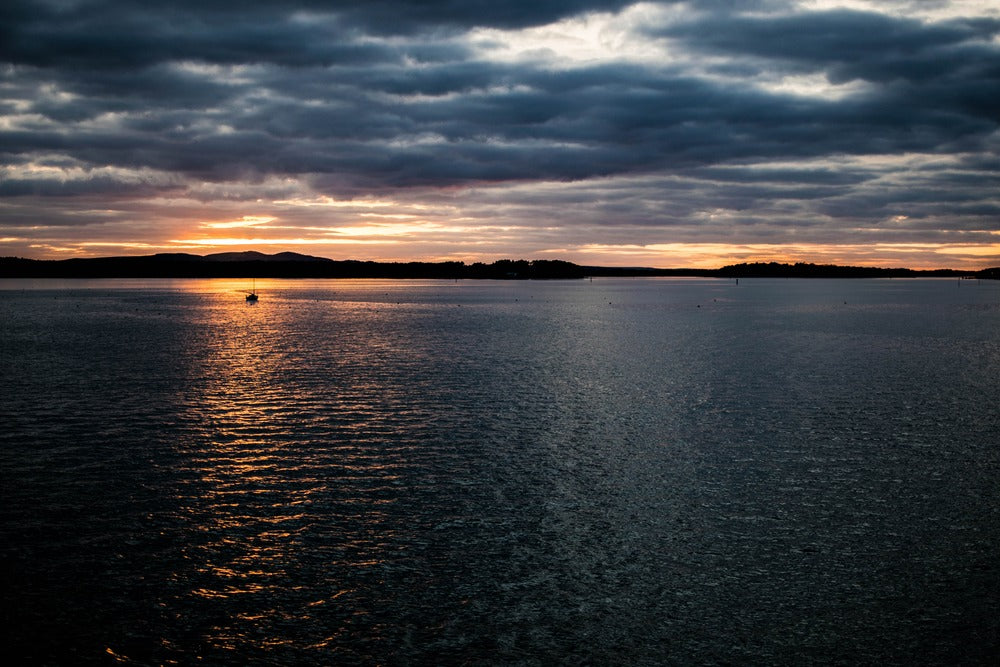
(294, 265)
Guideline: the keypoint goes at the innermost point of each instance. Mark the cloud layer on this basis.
(483, 129)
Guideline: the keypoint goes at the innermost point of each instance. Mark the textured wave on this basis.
(623, 471)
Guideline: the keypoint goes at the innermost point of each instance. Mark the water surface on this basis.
(669, 471)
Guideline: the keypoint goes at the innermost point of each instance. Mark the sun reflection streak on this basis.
(284, 497)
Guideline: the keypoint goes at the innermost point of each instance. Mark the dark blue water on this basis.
(616, 472)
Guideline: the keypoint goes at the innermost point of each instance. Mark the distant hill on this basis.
(254, 256)
(294, 265)
(803, 270)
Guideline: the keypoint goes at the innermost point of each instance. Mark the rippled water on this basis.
(611, 472)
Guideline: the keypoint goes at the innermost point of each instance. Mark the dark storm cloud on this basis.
(352, 98)
(952, 64)
(315, 80)
(786, 175)
(842, 36)
(296, 33)
(134, 38)
(553, 129)
(93, 185)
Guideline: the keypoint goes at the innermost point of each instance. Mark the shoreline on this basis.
(290, 265)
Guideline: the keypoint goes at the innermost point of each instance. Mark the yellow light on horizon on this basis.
(715, 255)
(991, 250)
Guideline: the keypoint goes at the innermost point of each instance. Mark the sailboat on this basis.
(252, 294)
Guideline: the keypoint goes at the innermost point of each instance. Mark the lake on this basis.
(623, 471)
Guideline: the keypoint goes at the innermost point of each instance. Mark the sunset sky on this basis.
(667, 134)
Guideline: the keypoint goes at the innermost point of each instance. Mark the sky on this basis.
(602, 132)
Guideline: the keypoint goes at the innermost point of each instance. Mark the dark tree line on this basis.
(193, 266)
(290, 265)
(804, 270)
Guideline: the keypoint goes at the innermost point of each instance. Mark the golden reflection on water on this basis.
(270, 475)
